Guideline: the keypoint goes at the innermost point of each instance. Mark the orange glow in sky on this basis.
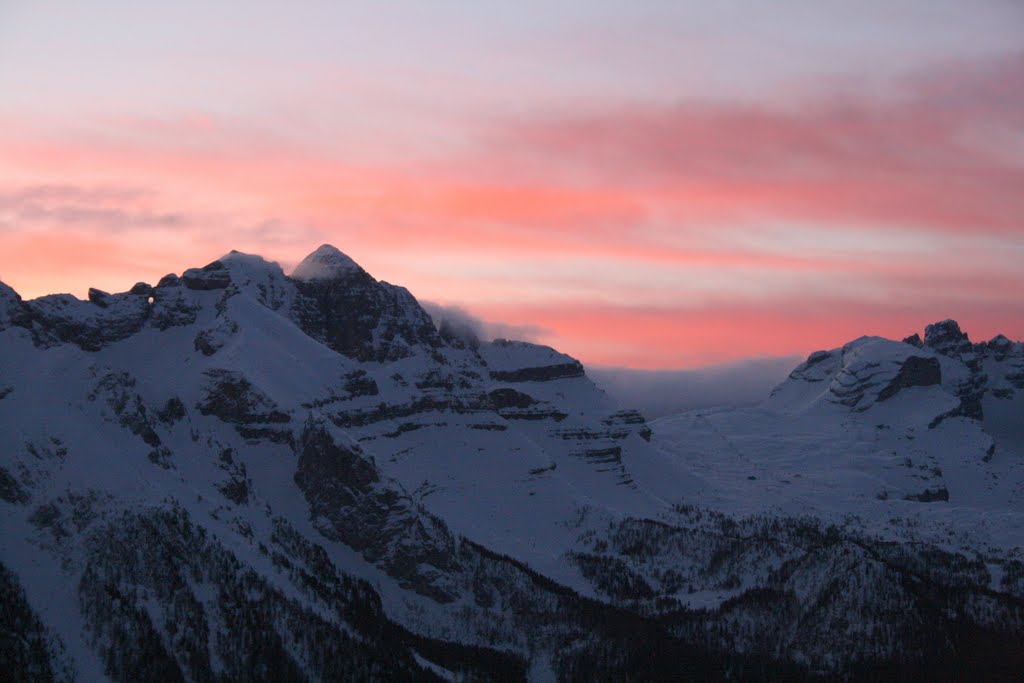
(693, 202)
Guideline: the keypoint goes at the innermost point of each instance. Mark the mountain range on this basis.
(238, 474)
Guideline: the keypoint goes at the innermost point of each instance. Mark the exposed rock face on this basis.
(871, 370)
(914, 340)
(868, 370)
(169, 280)
(172, 411)
(350, 502)
(940, 494)
(513, 361)
(510, 398)
(141, 289)
(61, 318)
(916, 371)
(999, 347)
(98, 297)
(11, 490)
(628, 421)
(542, 374)
(820, 366)
(1005, 355)
(173, 306)
(342, 306)
(13, 312)
(946, 338)
(212, 339)
(116, 389)
(232, 398)
(211, 276)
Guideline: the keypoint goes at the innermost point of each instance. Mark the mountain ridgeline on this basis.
(237, 474)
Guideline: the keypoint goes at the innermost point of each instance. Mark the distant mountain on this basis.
(241, 475)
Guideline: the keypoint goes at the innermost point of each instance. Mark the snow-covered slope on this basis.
(869, 426)
(241, 474)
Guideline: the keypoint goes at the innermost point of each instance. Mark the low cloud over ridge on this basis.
(467, 326)
(657, 393)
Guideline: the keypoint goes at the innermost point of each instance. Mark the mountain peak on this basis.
(326, 263)
(946, 337)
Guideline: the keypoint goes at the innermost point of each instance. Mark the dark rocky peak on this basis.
(99, 297)
(946, 338)
(914, 340)
(13, 311)
(1000, 348)
(169, 280)
(326, 263)
(141, 289)
(341, 305)
(1000, 341)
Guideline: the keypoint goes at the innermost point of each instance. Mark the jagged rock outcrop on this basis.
(350, 502)
(232, 398)
(341, 305)
(61, 318)
(512, 361)
(173, 306)
(211, 276)
(12, 490)
(915, 371)
(116, 389)
(212, 339)
(914, 340)
(945, 337)
(141, 289)
(13, 312)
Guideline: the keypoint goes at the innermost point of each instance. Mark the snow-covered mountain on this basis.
(238, 474)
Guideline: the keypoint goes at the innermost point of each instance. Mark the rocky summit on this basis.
(238, 474)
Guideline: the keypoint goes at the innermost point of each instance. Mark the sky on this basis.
(642, 184)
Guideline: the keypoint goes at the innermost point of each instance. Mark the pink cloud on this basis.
(634, 224)
(691, 337)
(905, 160)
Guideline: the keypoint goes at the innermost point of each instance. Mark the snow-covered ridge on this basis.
(197, 471)
(873, 370)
